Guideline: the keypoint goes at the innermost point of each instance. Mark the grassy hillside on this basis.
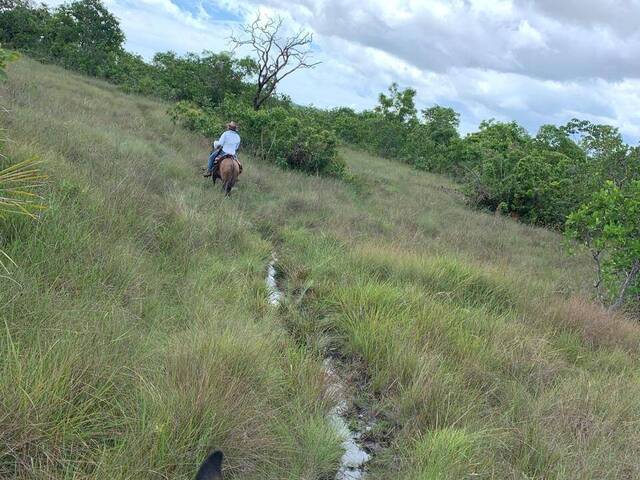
(136, 333)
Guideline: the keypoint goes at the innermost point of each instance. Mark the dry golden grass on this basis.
(599, 326)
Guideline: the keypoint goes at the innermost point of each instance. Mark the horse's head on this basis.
(211, 468)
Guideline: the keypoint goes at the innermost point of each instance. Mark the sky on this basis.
(533, 61)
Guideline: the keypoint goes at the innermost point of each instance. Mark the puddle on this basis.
(275, 294)
(352, 464)
(355, 457)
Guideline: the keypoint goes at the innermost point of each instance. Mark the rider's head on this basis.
(232, 126)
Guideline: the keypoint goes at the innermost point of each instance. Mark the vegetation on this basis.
(274, 135)
(609, 225)
(136, 332)
(540, 180)
(5, 58)
(141, 336)
(18, 181)
(84, 36)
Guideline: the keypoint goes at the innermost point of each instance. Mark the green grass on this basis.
(136, 332)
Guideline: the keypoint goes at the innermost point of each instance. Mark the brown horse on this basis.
(229, 170)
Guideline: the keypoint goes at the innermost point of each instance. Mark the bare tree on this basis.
(278, 56)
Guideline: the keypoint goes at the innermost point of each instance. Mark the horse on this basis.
(229, 170)
(211, 468)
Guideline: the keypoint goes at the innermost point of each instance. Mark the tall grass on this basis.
(20, 181)
(141, 336)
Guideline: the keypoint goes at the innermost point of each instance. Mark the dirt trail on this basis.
(353, 462)
(349, 428)
(275, 294)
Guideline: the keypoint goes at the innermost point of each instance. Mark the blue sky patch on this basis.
(215, 11)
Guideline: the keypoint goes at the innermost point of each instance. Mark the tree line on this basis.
(211, 87)
(580, 177)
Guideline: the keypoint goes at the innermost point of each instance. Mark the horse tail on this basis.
(231, 178)
(228, 185)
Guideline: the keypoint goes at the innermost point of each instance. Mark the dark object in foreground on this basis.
(211, 468)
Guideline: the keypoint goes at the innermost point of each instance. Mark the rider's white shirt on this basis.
(230, 141)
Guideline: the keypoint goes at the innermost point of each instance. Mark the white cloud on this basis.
(535, 61)
(528, 37)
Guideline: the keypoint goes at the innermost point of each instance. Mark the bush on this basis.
(5, 58)
(194, 118)
(609, 225)
(492, 154)
(542, 188)
(540, 180)
(23, 27)
(278, 135)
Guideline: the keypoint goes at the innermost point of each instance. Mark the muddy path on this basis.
(350, 425)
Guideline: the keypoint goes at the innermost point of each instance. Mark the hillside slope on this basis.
(136, 333)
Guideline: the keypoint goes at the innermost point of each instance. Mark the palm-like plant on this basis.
(19, 185)
(18, 189)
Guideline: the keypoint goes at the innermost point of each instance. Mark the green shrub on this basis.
(493, 153)
(542, 188)
(609, 225)
(23, 27)
(541, 180)
(194, 118)
(5, 58)
(277, 134)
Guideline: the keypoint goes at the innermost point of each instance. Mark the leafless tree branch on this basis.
(277, 56)
(628, 281)
(598, 268)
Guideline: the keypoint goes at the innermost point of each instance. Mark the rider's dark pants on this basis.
(212, 158)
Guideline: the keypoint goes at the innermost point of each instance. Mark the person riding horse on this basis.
(227, 146)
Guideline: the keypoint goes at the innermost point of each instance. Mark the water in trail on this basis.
(275, 294)
(355, 457)
(352, 464)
